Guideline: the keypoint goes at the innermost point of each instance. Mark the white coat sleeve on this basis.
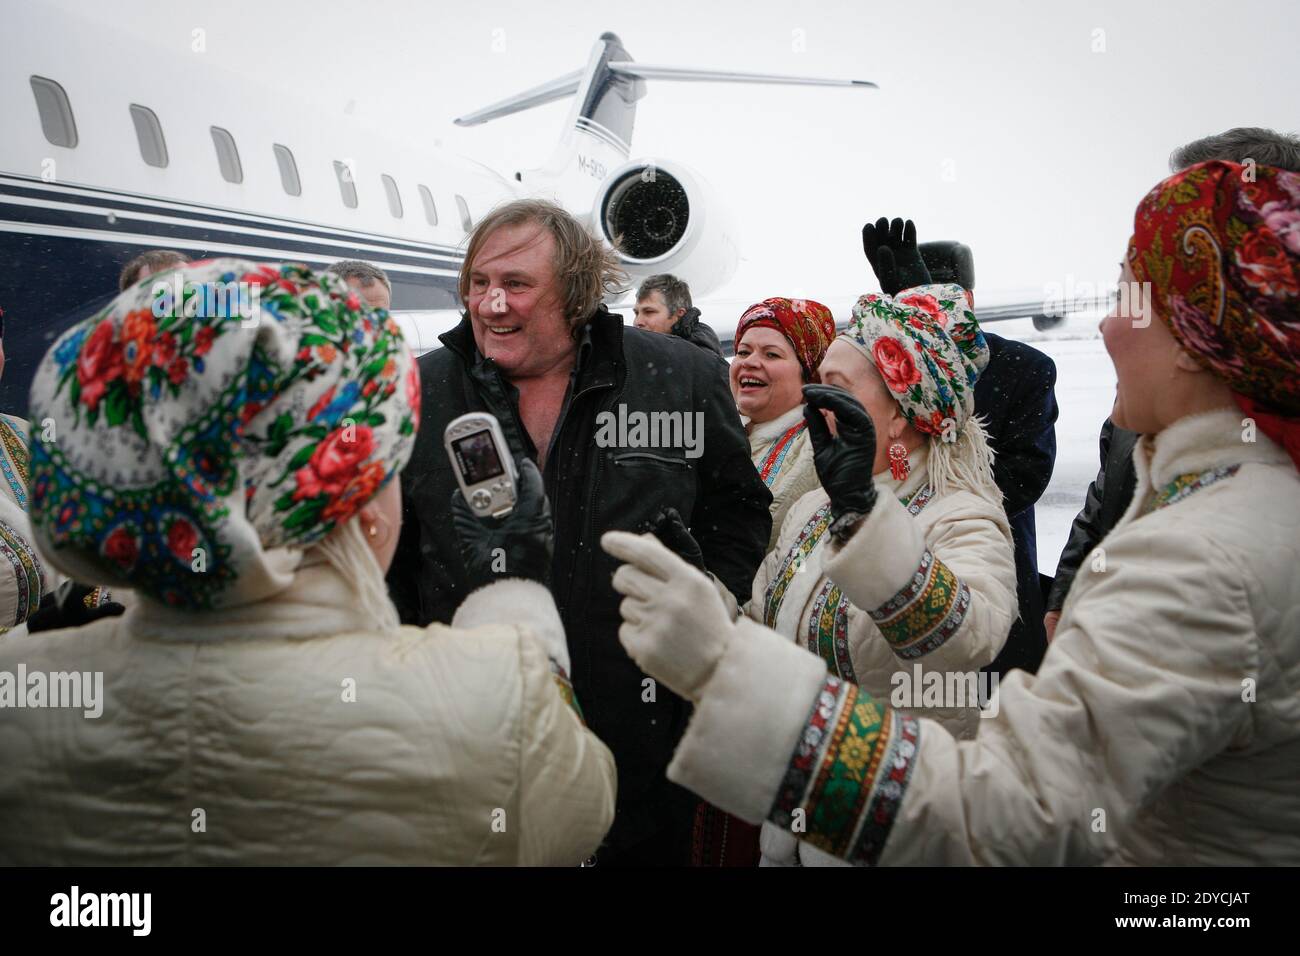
(567, 775)
(947, 599)
(568, 779)
(1136, 691)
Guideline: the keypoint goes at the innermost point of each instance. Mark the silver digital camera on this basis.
(484, 466)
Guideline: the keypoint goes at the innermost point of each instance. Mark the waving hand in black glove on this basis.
(894, 256)
(844, 463)
(516, 546)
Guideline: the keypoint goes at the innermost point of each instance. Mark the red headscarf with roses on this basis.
(198, 443)
(1219, 245)
(808, 326)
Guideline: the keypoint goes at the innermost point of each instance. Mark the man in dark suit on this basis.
(1015, 395)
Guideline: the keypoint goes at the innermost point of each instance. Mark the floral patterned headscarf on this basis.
(928, 348)
(1219, 244)
(808, 326)
(190, 447)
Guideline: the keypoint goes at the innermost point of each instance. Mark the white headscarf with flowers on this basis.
(929, 350)
(196, 445)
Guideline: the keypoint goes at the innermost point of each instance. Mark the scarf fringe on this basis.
(966, 463)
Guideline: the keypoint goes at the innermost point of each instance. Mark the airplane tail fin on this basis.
(597, 134)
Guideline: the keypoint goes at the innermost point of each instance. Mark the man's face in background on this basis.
(375, 295)
(651, 314)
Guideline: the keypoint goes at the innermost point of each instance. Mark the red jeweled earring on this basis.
(899, 465)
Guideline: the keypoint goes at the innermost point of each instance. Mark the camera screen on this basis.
(476, 455)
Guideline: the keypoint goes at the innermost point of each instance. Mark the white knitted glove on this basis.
(675, 625)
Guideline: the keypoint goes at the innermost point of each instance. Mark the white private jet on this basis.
(100, 162)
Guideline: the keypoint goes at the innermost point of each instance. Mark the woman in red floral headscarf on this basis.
(779, 343)
(1163, 727)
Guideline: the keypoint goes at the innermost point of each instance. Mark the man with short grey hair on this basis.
(1242, 144)
(663, 304)
(368, 281)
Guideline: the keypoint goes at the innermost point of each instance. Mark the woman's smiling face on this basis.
(766, 378)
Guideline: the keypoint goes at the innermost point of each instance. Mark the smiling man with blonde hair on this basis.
(538, 349)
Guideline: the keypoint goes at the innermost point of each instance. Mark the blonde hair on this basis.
(586, 268)
(346, 550)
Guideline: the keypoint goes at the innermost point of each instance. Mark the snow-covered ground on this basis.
(1085, 391)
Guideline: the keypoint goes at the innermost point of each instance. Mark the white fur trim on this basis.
(1200, 442)
(749, 717)
(521, 603)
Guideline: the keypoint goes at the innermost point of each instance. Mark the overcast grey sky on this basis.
(1027, 129)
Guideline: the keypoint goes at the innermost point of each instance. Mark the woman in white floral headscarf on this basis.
(1168, 706)
(912, 360)
(229, 453)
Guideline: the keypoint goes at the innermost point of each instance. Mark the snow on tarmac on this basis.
(1085, 391)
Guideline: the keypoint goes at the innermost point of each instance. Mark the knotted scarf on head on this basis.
(929, 350)
(192, 447)
(808, 326)
(927, 346)
(1219, 244)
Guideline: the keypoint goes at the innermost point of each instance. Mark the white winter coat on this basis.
(964, 529)
(289, 732)
(792, 473)
(1163, 726)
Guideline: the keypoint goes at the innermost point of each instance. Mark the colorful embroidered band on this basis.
(926, 613)
(849, 773)
(15, 459)
(775, 457)
(794, 562)
(201, 440)
(807, 325)
(28, 572)
(565, 687)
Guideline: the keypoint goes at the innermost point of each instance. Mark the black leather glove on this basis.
(671, 531)
(892, 251)
(844, 464)
(67, 606)
(515, 546)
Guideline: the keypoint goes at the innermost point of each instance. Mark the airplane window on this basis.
(288, 170)
(56, 112)
(227, 155)
(465, 219)
(347, 188)
(430, 210)
(394, 198)
(153, 148)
